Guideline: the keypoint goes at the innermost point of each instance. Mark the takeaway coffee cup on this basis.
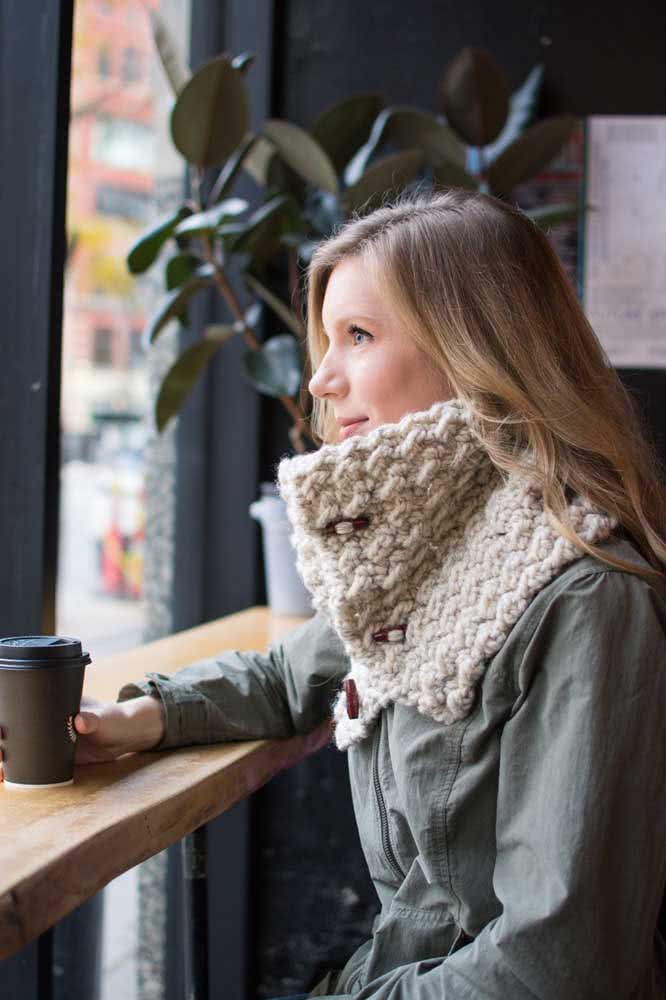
(41, 679)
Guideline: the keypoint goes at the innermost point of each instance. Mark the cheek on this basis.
(391, 386)
(372, 378)
(410, 385)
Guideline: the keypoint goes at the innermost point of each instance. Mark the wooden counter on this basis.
(59, 846)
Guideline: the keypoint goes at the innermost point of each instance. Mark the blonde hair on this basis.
(478, 286)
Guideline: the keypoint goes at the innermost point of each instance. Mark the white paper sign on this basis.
(624, 271)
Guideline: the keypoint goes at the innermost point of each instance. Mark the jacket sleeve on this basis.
(581, 813)
(250, 695)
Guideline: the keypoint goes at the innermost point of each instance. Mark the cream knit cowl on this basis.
(423, 556)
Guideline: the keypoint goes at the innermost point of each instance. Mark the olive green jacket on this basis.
(518, 853)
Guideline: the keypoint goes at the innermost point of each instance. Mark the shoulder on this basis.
(592, 613)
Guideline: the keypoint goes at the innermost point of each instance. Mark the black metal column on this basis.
(217, 562)
(195, 912)
(35, 67)
(35, 56)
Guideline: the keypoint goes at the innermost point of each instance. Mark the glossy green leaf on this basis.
(306, 250)
(144, 251)
(408, 128)
(475, 96)
(389, 174)
(228, 234)
(176, 73)
(179, 269)
(345, 126)
(231, 229)
(208, 221)
(243, 61)
(252, 315)
(546, 216)
(324, 213)
(303, 245)
(302, 153)
(283, 179)
(261, 234)
(446, 175)
(275, 369)
(210, 117)
(522, 106)
(530, 153)
(174, 304)
(257, 160)
(292, 239)
(181, 378)
(280, 308)
(231, 168)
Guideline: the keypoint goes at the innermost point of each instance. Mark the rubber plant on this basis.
(311, 180)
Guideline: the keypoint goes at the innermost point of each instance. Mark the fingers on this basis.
(86, 723)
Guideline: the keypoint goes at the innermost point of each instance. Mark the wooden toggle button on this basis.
(351, 694)
(391, 633)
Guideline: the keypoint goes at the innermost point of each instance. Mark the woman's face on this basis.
(372, 371)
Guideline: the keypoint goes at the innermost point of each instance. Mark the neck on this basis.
(422, 555)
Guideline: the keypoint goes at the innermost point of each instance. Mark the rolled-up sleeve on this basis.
(239, 695)
(581, 813)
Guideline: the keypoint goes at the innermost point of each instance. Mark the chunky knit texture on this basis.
(423, 555)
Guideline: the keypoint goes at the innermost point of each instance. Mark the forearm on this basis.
(242, 695)
(146, 720)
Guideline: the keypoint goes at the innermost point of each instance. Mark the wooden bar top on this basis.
(59, 846)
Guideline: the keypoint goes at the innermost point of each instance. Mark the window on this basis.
(103, 64)
(123, 203)
(131, 71)
(121, 142)
(103, 347)
(136, 356)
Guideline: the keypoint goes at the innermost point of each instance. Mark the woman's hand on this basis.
(109, 729)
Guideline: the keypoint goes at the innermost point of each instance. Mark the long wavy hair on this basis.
(478, 286)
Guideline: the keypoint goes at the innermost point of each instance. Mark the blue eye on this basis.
(354, 330)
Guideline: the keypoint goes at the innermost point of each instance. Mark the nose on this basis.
(326, 381)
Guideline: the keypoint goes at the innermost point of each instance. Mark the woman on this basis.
(483, 533)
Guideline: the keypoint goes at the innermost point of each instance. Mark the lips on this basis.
(351, 429)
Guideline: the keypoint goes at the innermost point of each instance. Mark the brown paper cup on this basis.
(41, 679)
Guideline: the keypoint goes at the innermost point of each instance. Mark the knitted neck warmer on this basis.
(423, 556)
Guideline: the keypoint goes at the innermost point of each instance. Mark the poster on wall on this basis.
(624, 237)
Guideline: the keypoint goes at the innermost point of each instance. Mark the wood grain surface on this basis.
(59, 846)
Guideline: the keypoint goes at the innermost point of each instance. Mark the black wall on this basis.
(599, 58)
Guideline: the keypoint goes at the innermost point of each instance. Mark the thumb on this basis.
(86, 722)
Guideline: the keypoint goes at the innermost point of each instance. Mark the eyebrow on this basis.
(344, 320)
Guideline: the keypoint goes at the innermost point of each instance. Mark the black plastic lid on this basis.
(17, 650)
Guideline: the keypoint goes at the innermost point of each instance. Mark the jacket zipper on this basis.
(386, 840)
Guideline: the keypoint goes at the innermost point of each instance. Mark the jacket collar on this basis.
(423, 555)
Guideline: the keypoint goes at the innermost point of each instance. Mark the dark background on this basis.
(289, 890)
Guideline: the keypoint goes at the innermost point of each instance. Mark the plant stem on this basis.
(301, 425)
